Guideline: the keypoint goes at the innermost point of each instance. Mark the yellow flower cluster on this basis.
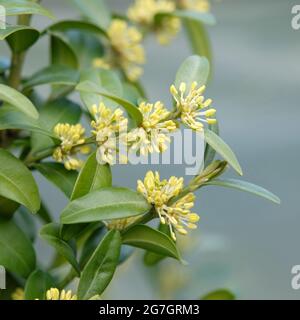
(72, 140)
(126, 44)
(107, 127)
(55, 294)
(159, 193)
(18, 294)
(153, 133)
(192, 106)
(197, 5)
(143, 12)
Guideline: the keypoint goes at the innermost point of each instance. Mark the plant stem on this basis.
(17, 60)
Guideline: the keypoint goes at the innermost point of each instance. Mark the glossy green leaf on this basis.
(144, 237)
(99, 270)
(210, 153)
(19, 38)
(7, 208)
(18, 7)
(199, 39)
(244, 186)
(93, 176)
(94, 10)
(132, 110)
(57, 174)
(17, 183)
(37, 285)
(106, 203)
(223, 149)
(221, 294)
(194, 68)
(18, 100)
(51, 234)
(67, 25)
(13, 119)
(58, 75)
(16, 251)
(105, 80)
(26, 222)
(62, 53)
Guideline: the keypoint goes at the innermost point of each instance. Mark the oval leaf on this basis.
(57, 174)
(17, 183)
(105, 204)
(37, 285)
(18, 100)
(16, 251)
(244, 186)
(144, 237)
(18, 7)
(223, 149)
(194, 68)
(50, 233)
(19, 38)
(93, 176)
(13, 119)
(100, 269)
(68, 25)
(58, 75)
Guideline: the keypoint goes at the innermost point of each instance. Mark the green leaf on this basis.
(7, 208)
(244, 186)
(95, 10)
(13, 119)
(17, 183)
(106, 203)
(58, 75)
(19, 38)
(194, 68)
(37, 285)
(62, 53)
(210, 153)
(199, 39)
(106, 80)
(133, 111)
(57, 174)
(51, 233)
(19, 7)
(18, 100)
(54, 112)
(223, 149)
(221, 294)
(99, 270)
(16, 252)
(67, 25)
(144, 237)
(93, 176)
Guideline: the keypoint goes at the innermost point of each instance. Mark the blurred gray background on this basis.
(243, 243)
